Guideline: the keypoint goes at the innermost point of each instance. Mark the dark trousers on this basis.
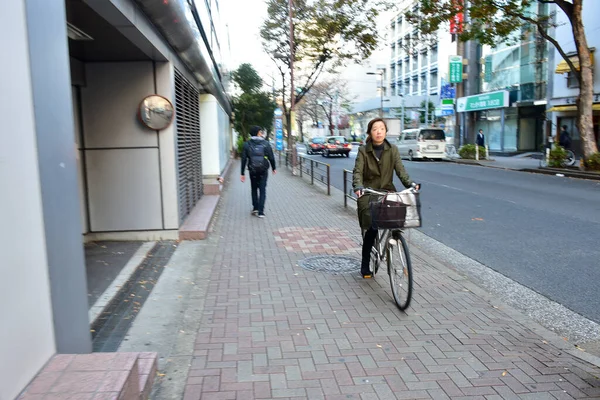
(368, 242)
(259, 191)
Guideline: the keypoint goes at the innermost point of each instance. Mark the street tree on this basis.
(327, 34)
(253, 106)
(325, 99)
(492, 22)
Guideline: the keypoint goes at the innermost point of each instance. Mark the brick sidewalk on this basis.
(271, 329)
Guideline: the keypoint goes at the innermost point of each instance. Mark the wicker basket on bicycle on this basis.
(396, 210)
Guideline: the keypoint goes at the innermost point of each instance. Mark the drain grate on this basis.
(331, 264)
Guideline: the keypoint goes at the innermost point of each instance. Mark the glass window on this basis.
(432, 134)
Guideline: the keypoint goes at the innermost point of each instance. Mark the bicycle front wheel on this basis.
(400, 271)
(570, 159)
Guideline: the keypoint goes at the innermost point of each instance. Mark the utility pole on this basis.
(291, 146)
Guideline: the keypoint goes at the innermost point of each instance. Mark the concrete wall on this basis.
(27, 336)
(130, 169)
(216, 137)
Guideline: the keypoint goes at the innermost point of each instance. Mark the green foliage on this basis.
(491, 22)
(467, 151)
(593, 162)
(252, 107)
(240, 144)
(431, 111)
(247, 78)
(557, 157)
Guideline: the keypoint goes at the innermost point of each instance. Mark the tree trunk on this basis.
(585, 123)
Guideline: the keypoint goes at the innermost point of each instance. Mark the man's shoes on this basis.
(254, 212)
(261, 215)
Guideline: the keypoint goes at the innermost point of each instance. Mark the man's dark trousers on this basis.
(259, 191)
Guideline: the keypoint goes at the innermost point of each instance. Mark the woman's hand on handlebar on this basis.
(359, 193)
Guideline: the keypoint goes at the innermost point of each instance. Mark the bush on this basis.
(593, 163)
(240, 144)
(557, 157)
(467, 151)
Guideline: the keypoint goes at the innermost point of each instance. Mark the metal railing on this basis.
(316, 170)
(307, 167)
(348, 186)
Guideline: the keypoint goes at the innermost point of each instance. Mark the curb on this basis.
(544, 171)
(568, 173)
(545, 333)
(105, 298)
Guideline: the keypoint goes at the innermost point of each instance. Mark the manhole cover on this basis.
(331, 264)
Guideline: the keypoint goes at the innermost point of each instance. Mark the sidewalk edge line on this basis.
(547, 334)
(111, 291)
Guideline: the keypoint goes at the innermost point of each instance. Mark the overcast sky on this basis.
(244, 19)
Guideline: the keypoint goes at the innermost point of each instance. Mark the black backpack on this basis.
(257, 164)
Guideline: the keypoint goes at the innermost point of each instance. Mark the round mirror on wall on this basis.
(156, 112)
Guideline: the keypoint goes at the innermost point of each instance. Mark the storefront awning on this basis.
(563, 67)
(595, 107)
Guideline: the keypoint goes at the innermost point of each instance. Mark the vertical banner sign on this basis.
(456, 69)
(278, 129)
(456, 23)
(488, 69)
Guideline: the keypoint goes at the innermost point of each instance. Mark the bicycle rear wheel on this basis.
(570, 159)
(400, 271)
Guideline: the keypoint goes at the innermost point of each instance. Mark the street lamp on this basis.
(380, 73)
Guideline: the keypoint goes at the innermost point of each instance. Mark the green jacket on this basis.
(378, 175)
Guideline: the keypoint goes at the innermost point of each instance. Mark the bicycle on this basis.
(569, 159)
(391, 247)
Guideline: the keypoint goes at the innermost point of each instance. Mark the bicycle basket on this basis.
(396, 210)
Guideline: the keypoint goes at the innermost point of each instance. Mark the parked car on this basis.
(337, 145)
(422, 143)
(315, 145)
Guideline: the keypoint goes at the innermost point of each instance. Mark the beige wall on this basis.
(27, 333)
(130, 169)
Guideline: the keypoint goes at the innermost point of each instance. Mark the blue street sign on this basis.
(447, 112)
(278, 112)
(278, 124)
(279, 138)
(447, 91)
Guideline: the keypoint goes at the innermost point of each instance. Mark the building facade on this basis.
(563, 86)
(517, 71)
(418, 66)
(78, 163)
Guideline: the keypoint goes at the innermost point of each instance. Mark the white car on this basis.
(422, 143)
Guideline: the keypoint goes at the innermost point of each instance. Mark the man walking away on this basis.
(565, 139)
(480, 140)
(258, 154)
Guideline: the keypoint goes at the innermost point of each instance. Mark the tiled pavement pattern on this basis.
(317, 240)
(273, 330)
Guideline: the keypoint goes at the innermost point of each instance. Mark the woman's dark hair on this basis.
(370, 126)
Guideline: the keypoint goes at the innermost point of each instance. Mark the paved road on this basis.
(541, 231)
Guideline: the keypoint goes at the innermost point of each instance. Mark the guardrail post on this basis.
(328, 180)
(301, 160)
(345, 190)
(312, 172)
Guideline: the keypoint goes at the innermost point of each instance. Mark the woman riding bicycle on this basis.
(375, 164)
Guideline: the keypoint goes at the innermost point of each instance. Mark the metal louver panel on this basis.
(189, 161)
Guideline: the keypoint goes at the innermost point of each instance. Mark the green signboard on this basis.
(484, 101)
(456, 69)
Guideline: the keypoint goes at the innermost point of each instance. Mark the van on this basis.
(422, 143)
